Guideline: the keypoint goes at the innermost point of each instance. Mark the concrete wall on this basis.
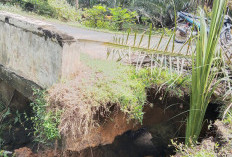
(36, 50)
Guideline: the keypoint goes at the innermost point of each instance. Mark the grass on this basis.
(203, 74)
(122, 85)
(228, 117)
(104, 84)
(204, 150)
(117, 85)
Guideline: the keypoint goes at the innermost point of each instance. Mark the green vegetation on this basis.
(228, 119)
(9, 120)
(4, 112)
(45, 121)
(3, 153)
(116, 15)
(63, 11)
(95, 17)
(119, 85)
(203, 74)
(99, 17)
(155, 11)
(228, 116)
(58, 9)
(120, 16)
(112, 83)
(122, 85)
(193, 151)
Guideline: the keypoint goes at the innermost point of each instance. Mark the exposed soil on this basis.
(27, 152)
(118, 137)
(164, 119)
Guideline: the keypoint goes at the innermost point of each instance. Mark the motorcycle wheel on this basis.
(182, 33)
(226, 38)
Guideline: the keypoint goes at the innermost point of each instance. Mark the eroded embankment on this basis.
(109, 109)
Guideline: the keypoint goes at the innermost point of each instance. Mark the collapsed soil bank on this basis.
(116, 136)
(152, 138)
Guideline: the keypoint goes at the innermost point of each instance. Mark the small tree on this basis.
(121, 15)
(95, 15)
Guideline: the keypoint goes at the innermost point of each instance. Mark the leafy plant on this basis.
(95, 17)
(4, 112)
(63, 10)
(227, 117)
(193, 151)
(5, 153)
(59, 9)
(157, 11)
(45, 121)
(122, 15)
(203, 74)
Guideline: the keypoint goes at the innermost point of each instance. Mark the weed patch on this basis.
(45, 120)
(102, 89)
(118, 84)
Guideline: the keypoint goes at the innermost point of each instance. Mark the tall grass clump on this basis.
(204, 71)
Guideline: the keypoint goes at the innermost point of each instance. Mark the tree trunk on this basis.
(77, 4)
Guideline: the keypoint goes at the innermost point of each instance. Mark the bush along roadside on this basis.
(109, 18)
(58, 9)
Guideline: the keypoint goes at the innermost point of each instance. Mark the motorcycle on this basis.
(188, 25)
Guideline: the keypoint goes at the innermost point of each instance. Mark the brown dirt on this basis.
(218, 143)
(27, 152)
(102, 135)
(82, 125)
(24, 152)
(87, 126)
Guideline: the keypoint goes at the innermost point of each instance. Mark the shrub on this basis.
(63, 10)
(95, 17)
(58, 9)
(120, 16)
(206, 149)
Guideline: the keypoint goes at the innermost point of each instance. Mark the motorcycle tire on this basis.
(226, 37)
(182, 33)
